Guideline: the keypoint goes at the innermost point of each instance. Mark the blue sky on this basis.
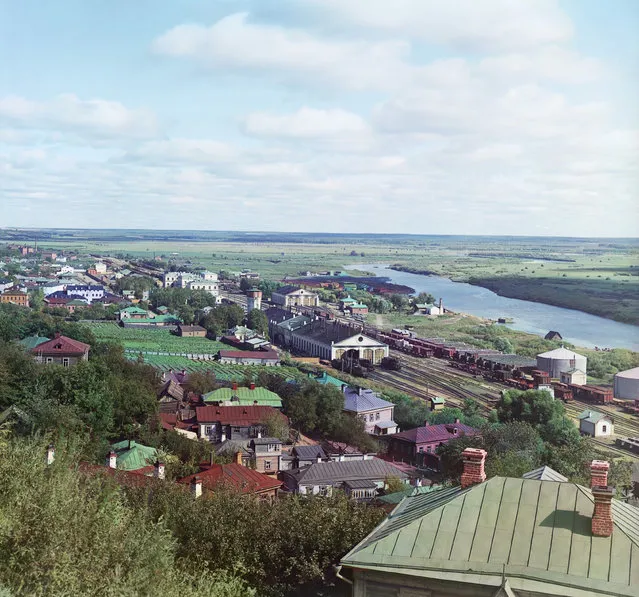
(417, 116)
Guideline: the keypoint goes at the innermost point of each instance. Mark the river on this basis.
(576, 327)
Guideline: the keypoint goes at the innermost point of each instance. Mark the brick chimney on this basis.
(196, 487)
(112, 459)
(158, 473)
(252, 386)
(50, 455)
(474, 460)
(602, 515)
(234, 386)
(599, 473)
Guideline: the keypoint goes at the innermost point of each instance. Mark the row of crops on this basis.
(222, 372)
(154, 340)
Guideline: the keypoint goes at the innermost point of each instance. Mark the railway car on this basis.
(563, 392)
(595, 394)
(421, 351)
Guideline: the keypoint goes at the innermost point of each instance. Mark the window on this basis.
(267, 465)
(429, 449)
(421, 449)
(377, 416)
(49, 359)
(236, 429)
(603, 429)
(65, 361)
(324, 490)
(208, 429)
(271, 448)
(371, 417)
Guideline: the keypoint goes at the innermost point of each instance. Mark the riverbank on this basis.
(605, 298)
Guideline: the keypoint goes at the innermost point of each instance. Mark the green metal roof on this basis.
(133, 456)
(437, 400)
(245, 397)
(592, 416)
(398, 496)
(31, 342)
(325, 378)
(134, 310)
(525, 530)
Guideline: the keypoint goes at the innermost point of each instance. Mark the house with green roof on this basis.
(243, 396)
(596, 424)
(504, 537)
(133, 456)
(31, 342)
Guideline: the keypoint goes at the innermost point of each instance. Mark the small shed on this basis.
(553, 335)
(596, 424)
(574, 376)
(437, 403)
(191, 331)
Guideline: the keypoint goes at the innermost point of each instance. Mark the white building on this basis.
(100, 267)
(375, 412)
(576, 377)
(596, 424)
(294, 296)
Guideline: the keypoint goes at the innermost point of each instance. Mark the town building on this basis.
(243, 396)
(376, 412)
(266, 454)
(15, 297)
(61, 350)
(357, 309)
(88, 292)
(553, 335)
(360, 479)
(219, 423)
(302, 456)
(5, 284)
(596, 424)
(134, 456)
(191, 331)
(437, 403)
(418, 446)
(232, 476)
(321, 337)
(504, 537)
(574, 376)
(134, 313)
(268, 358)
(343, 452)
(294, 296)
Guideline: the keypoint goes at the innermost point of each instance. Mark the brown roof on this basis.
(138, 478)
(170, 421)
(171, 389)
(191, 328)
(234, 415)
(235, 476)
(61, 345)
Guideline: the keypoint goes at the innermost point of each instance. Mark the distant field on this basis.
(600, 276)
(150, 340)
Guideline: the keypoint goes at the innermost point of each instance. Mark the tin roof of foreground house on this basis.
(535, 534)
(61, 345)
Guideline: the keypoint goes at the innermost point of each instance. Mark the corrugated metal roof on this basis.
(524, 529)
(545, 473)
(434, 433)
(592, 416)
(245, 396)
(334, 472)
(560, 353)
(132, 456)
(629, 373)
(361, 400)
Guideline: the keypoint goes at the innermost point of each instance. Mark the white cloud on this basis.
(463, 24)
(96, 118)
(235, 42)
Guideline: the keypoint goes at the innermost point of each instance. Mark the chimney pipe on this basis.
(234, 386)
(196, 487)
(251, 386)
(50, 454)
(474, 460)
(159, 470)
(112, 459)
(602, 516)
(599, 473)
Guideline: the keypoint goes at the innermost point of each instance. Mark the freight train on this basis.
(512, 370)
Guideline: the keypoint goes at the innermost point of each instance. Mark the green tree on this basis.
(275, 426)
(258, 322)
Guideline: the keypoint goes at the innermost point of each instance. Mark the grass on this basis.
(154, 340)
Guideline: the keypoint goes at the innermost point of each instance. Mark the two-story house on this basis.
(266, 453)
(61, 351)
(294, 296)
(418, 446)
(219, 423)
(376, 412)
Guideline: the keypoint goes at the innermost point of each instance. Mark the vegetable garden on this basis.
(159, 340)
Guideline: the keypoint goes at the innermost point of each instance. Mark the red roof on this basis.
(169, 421)
(249, 354)
(139, 478)
(235, 476)
(434, 433)
(234, 415)
(61, 345)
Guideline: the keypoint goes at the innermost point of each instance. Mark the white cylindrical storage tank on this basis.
(559, 360)
(627, 384)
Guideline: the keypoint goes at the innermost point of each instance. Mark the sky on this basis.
(414, 116)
